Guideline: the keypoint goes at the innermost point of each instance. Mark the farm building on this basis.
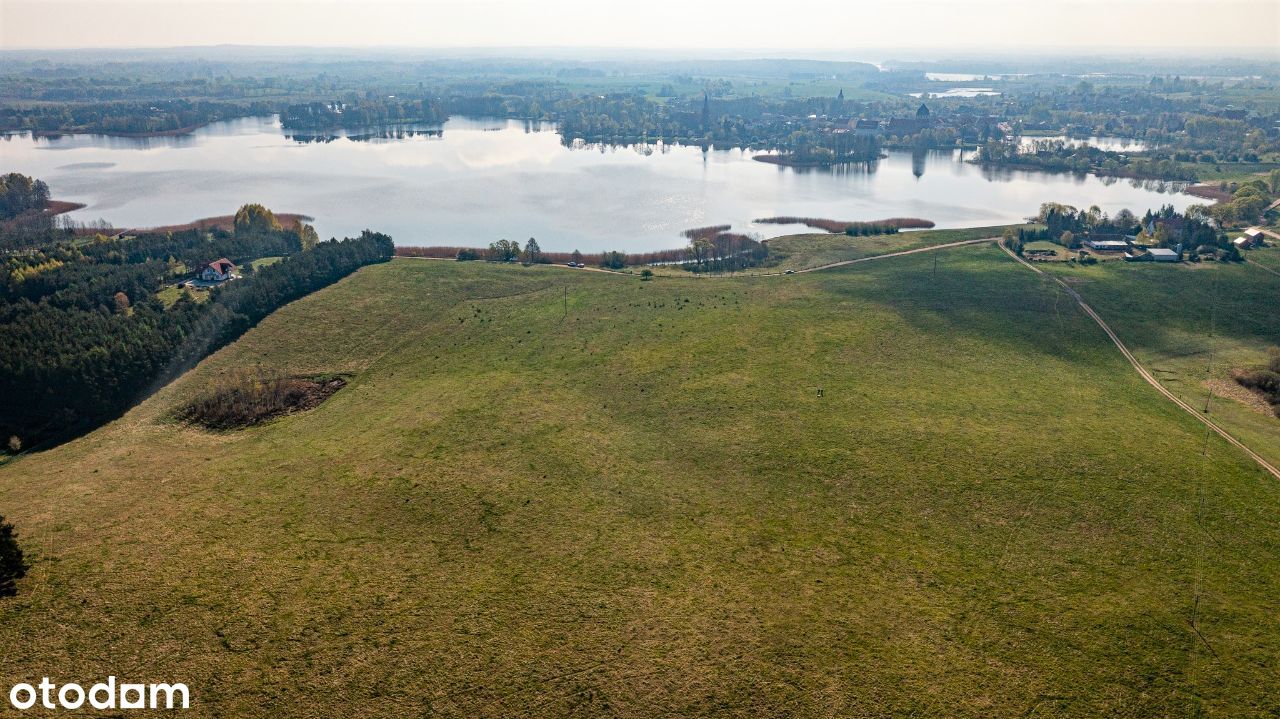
(217, 271)
(1250, 238)
(1107, 245)
(1160, 254)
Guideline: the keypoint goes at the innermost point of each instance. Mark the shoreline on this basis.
(176, 132)
(59, 207)
(288, 220)
(1068, 171)
(784, 161)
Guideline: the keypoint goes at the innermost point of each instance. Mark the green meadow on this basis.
(806, 251)
(901, 488)
(1192, 325)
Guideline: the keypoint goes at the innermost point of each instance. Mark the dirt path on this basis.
(1264, 268)
(887, 255)
(1151, 380)
(815, 268)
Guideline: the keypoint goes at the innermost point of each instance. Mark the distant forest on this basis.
(808, 112)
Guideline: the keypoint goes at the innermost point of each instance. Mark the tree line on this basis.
(20, 194)
(126, 118)
(87, 337)
(361, 112)
(1070, 227)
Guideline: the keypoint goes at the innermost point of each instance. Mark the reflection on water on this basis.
(1112, 144)
(398, 132)
(410, 129)
(470, 182)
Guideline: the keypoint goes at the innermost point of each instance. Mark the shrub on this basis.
(1265, 382)
(613, 260)
(252, 398)
(12, 565)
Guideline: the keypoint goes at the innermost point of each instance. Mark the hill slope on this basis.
(644, 508)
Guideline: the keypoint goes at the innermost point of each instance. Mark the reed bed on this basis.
(838, 226)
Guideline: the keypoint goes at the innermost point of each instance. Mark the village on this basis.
(1142, 247)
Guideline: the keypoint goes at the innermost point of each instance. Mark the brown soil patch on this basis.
(254, 399)
(1243, 395)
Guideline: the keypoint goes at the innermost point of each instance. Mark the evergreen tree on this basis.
(532, 253)
(12, 565)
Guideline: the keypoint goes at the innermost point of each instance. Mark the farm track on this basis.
(815, 268)
(1146, 375)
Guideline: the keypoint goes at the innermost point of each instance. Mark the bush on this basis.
(1265, 382)
(613, 260)
(253, 398)
(12, 565)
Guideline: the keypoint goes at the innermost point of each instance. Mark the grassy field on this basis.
(265, 262)
(1268, 256)
(642, 507)
(796, 252)
(171, 293)
(1192, 325)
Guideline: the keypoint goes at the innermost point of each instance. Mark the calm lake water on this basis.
(475, 181)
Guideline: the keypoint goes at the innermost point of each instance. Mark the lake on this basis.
(475, 181)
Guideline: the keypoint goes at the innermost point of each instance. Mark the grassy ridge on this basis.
(643, 507)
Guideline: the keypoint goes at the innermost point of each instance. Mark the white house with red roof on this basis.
(217, 271)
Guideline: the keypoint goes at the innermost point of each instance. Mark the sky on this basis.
(989, 25)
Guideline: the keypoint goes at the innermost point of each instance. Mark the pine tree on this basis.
(12, 565)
